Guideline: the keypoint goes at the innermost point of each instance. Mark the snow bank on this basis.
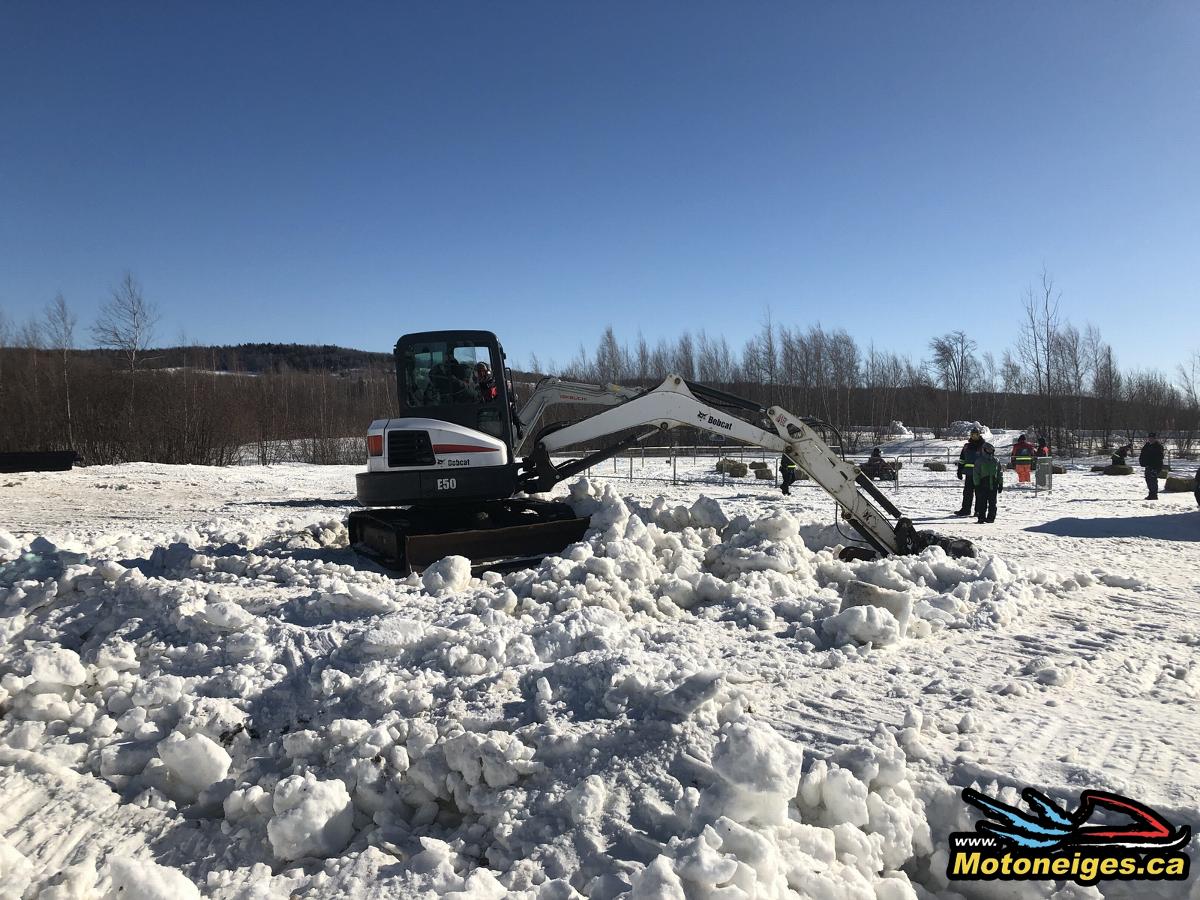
(962, 429)
(577, 728)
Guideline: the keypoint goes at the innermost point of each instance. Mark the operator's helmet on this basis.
(975, 433)
(988, 448)
(482, 370)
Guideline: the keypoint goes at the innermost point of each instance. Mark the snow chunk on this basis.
(137, 879)
(707, 513)
(864, 624)
(898, 603)
(226, 616)
(447, 575)
(57, 666)
(312, 818)
(15, 870)
(196, 762)
(760, 772)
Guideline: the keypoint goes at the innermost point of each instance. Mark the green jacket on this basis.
(988, 472)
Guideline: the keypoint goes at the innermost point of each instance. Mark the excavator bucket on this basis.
(504, 536)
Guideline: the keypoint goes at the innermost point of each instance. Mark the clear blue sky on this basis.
(344, 173)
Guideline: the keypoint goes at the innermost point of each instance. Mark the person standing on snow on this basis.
(1043, 447)
(989, 482)
(970, 453)
(1022, 458)
(787, 471)
(1151, 459)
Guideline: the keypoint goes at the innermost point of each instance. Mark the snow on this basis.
(204, 693)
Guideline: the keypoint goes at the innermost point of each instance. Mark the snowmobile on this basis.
(452, 474)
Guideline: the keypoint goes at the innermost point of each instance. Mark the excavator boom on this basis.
(677, 402)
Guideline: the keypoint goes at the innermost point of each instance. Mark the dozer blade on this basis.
(497, 549)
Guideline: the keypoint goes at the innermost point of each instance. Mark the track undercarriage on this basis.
(497, 535)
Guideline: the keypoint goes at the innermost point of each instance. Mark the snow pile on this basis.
(286, 723)
(962, 429)
(899, 430)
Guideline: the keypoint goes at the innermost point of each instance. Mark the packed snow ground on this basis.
(204, 693)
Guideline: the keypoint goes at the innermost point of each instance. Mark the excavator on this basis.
(453, 473)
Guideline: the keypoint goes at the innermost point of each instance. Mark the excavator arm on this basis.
(677, 402)
(551, 391)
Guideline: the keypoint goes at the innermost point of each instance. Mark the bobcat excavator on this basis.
(452, 474)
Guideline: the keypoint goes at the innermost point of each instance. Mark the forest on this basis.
(126, 399)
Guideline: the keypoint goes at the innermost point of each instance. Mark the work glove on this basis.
(960, 475)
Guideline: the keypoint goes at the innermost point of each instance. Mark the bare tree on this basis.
(683, 359)
(954, 361)
(60, 327)
(612, 360)
(641, 360)
(1188, 376)
(1036, 343)
(126, 324)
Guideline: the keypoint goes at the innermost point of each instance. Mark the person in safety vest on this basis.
(787, 471)
(1022, 458)
(966, 469)
(989, 482)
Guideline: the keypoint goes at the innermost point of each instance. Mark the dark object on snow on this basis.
(935, 466)
(1117, 470)
(38, 461)
(1120, 456)
(1177, 484)
(733, 468)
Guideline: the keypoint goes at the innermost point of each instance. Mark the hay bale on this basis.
(759, 464)
(733, 468)
(1099, 468)
(1117, 470)
(935, 466)
(1179, 484)
(764, 474)
(1058, 470)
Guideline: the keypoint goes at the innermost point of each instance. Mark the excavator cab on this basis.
(455, 376)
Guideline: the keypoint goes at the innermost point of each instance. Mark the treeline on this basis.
(128, 401)
(263, 358)
(268, 402)
(1057, 380)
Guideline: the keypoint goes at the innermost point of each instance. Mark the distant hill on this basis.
(261, 358)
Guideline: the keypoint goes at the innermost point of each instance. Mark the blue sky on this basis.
(346, 173)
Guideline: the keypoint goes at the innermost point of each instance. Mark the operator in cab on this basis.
(485, 383)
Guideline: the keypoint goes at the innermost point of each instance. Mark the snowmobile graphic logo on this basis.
(1107, 836)
(1049, 827)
